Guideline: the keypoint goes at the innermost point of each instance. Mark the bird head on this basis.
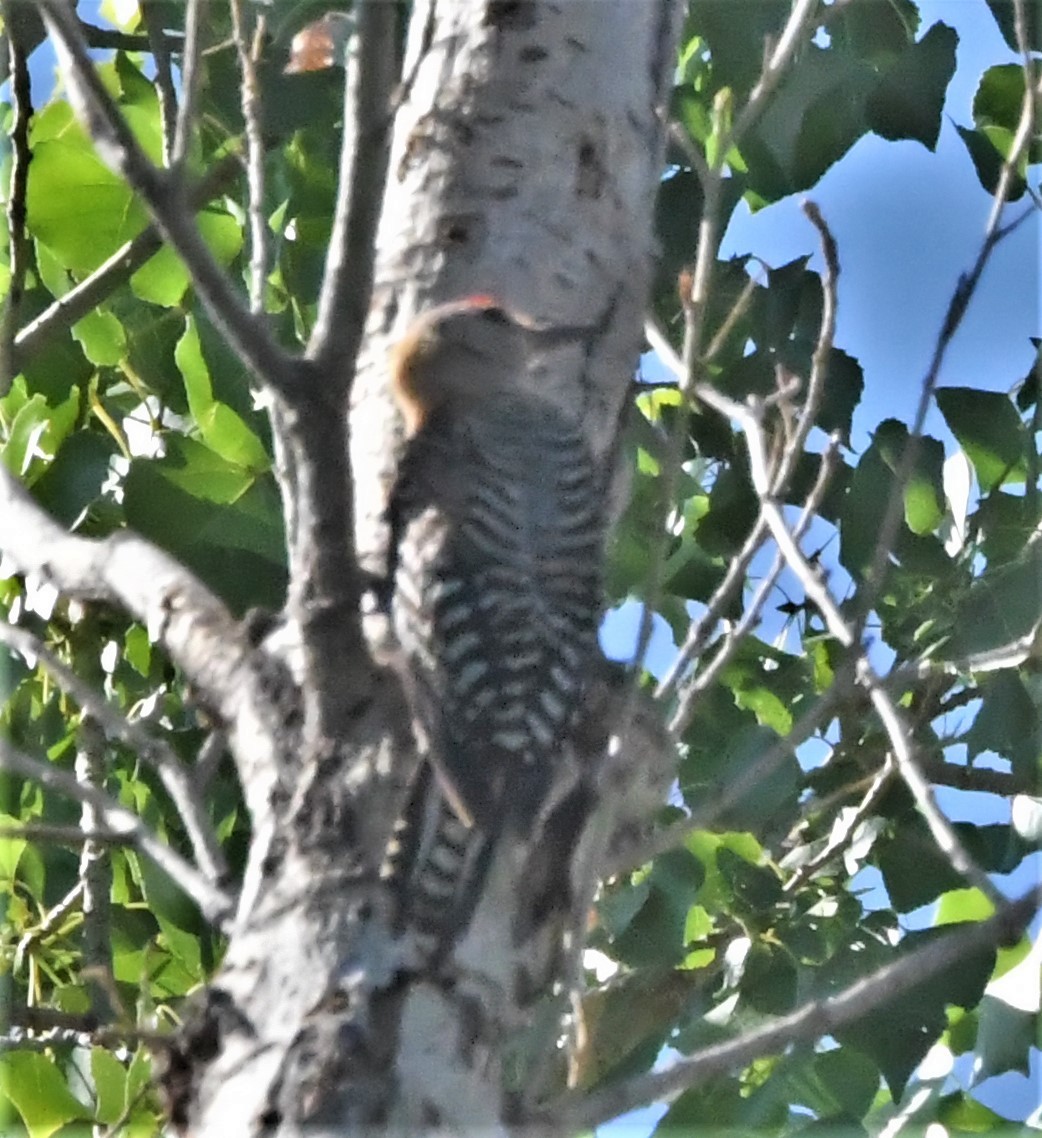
(469, 349)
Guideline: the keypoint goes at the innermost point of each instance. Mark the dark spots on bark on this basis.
(511, 15)
(460, 230)
(503, 193)
(506, 162)
(271, 1119)
(591, 173)
(532, 53)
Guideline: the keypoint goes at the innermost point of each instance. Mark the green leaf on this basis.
(11, 849)
(76, 206)
(102, 338)
(1005, 16)
(848, 1079)
(74, 480)
(985, 151)
(959, 1113)
(909, 99)
(844, 387)
(164, 280)
(37, 431)
(110, 1085)
(959, 905)
(999, 98)
(1001, 608)
(814, 118)
(770, 981)
(863, 511)
(989, 430)
(1005, 1036)
(222, 521)
(222, 429)
(137, 649)
(897, 1033)
(39, 1093)
(1008, 722)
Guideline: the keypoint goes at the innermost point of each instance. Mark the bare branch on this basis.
(18, 242)
(980, 779)
(904, 752)
(251, 113)
(95, 873)
(214, 903)
(371, 73)
(116, 145)
(159, 46)
(189, 83)
(822, 350)
(184, 793)
(177, 609)
(798, 29)
(73, 836)
(808, 1022)
(755, 606)
(699, 630)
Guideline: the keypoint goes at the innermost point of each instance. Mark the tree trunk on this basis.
(525, 160)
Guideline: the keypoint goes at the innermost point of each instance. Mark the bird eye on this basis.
(495, 316)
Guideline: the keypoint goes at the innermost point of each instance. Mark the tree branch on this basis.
(193, 625)
(371, 73)
(19, 249)
(189, 84)
(250, 93)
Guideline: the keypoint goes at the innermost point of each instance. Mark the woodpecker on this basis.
(496, 539)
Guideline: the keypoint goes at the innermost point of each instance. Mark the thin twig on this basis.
(176, 608)
(50, 921)
(19, 250)
(699, 631)
(215, 904)
(370, 76)
(159, 45)
(798, 29)
(713, 801)
(95, 872)
(73, 836)
(250, 93)
(735, 635)
(189, 82)
(822, 351)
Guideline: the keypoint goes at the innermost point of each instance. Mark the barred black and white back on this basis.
(496, 605)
